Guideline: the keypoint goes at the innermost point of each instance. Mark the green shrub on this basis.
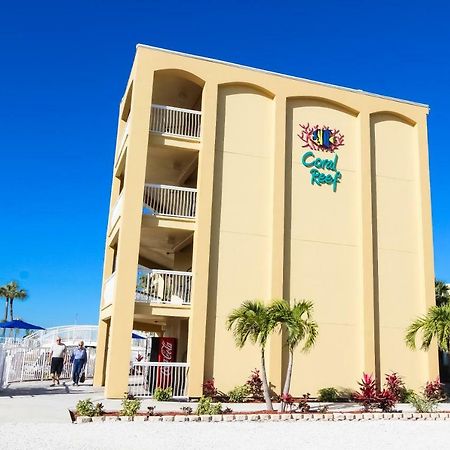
(422, 404)
(239, 393)
(406, 395)
(329, 394)
(130, 406)
(162, 395)
(206, 406)
(87, 408)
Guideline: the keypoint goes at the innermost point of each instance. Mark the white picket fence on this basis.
(25, 363)
(175, 121)
(148, 376)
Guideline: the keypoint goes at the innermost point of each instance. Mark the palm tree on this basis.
(11, 292)
(252, 320)
(434, 324)
(441, 292)
(299, 326)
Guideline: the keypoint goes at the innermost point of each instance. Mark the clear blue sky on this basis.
(63, 69)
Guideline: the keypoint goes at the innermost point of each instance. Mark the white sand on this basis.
(365, 435)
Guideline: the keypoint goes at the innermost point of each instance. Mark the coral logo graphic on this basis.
(323, 171)
(324, 139)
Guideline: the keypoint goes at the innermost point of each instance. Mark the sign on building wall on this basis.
(323, 170)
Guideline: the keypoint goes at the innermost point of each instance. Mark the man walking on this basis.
(79, 359)
(57, 356)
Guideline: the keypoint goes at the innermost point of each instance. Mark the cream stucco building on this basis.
(232, 183)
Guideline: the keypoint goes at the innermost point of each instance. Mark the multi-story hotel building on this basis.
(232, 183)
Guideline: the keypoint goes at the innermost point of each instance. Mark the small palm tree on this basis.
(11, 292)
(434, 324)
(299, 326)
(441, 292)
(252, 321)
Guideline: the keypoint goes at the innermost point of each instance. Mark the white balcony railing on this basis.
(147, 376)
(175, 121)
(171, 201)
(163, 286)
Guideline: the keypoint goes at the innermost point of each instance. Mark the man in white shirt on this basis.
(57, 356)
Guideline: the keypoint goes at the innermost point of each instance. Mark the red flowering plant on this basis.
(395, 385)
(209, 389)
(434, 390)
(371, 397)
(386, 400)
(288, 400)
(368, 393)
(255, 385)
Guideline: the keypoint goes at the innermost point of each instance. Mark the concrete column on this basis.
(100, 355)
(202, 238)
(426, 247)
(369, 267)
(275, 347)
(117, 370)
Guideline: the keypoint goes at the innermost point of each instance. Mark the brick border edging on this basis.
(327, 417)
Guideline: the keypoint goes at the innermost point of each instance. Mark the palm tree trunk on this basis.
(287, 381)
(5, 319)
(11, 308)
(265, 384)
(11, 314)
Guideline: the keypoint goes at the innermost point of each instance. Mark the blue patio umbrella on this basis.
(136, 336)
(20, 325)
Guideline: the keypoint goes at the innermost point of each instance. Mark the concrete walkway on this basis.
(37, 402)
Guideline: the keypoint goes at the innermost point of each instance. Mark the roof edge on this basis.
(292, 77)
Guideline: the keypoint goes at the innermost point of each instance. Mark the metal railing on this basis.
(175, 121)
(163, 286)
(170, 201)
(71, 335)
(146, 377)
(33, 364)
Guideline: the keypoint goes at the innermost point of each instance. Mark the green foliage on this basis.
(130, 406)
(239, 393)
(406, 396)
(422, 404)
(87, 408)
(329, 394)
(207, 406)
(252, 320)
(441, 293)
(162, 395)
(434, 324)
(297, 320)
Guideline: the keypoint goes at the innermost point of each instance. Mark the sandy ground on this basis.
(294, 435)
(34, 416)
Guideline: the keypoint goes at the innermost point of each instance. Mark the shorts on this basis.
(57, 366)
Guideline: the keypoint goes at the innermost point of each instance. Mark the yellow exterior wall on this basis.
(324, 240)
(362, 254)
(240, 240)
(400, 275)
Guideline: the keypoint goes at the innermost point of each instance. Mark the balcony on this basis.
(163, 287)
(171, 201)
(179, 122)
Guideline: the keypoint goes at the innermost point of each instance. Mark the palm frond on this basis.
(434, 324)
